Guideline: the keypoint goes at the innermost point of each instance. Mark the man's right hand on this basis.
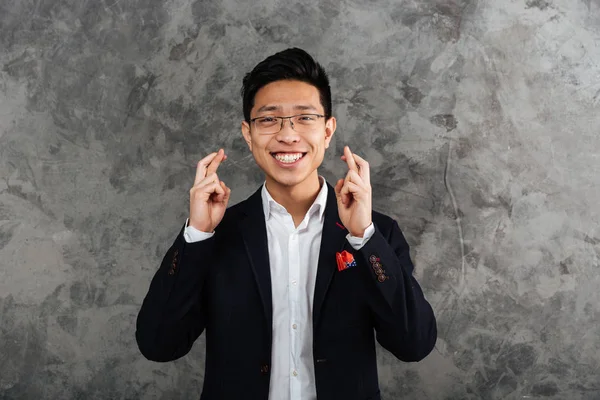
(209, 196)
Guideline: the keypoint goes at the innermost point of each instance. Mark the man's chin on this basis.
(288, 179)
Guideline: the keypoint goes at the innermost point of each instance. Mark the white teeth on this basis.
(288, 158)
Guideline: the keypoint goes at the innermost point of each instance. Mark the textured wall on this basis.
(480, 120)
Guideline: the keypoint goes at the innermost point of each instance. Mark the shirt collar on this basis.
(269, 204)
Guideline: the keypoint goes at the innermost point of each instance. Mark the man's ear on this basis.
(246, 134)
(330, 126)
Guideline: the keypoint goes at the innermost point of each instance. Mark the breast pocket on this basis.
(348, 295)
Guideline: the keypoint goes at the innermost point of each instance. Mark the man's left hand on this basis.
(354, 194)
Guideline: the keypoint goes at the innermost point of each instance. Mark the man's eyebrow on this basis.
(305, 107)
(301, 107)
(268, 108)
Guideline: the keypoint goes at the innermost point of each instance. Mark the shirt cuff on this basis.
(358, 242)
(192, 235)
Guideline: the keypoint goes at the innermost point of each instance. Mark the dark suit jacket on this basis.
(223, 286)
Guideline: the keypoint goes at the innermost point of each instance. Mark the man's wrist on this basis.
(191, 234)
(198, 227)
(357, 242)
(360, 234)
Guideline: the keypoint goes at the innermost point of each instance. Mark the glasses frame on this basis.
(282, 121)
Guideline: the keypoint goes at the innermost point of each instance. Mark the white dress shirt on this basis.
(293, 259)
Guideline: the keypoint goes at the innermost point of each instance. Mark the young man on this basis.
(292, 285)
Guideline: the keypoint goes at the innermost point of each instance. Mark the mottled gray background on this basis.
(480, 120)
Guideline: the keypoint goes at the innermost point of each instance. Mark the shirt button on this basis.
(294, 326)
(294, 282)
(295, 373)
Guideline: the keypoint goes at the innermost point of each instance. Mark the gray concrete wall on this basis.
(480, 120)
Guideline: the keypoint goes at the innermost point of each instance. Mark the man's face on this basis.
(276, 153)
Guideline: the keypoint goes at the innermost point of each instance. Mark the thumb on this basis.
(227, 192)
(338, 189)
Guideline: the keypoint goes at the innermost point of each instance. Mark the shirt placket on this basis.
(294, 274)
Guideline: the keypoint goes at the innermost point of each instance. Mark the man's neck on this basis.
(296, 199)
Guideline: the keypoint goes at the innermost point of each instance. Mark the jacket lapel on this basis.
(333, 240)
(254, 234)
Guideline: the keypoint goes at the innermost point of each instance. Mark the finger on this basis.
(350, 159)
(338, 188)
(352, 190)
(215, 189)
(201, 167)
(353, 176)
(212, 167)
(218, 193)
(211, 178)
(223, 197)
(206, 191)
(227, 192)
(363, 169)
(345, 194)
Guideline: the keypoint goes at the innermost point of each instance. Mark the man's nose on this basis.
(287, 133)
(288, 121)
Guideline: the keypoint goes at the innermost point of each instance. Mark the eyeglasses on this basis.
(301, 123)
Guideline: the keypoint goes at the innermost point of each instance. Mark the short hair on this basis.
(291, 64)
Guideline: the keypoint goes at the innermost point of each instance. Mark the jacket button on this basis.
(264, 369)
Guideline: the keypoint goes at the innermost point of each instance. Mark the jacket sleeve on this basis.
(173, 313)
(404, 321)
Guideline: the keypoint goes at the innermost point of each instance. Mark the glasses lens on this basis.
(300, 123)
(267, 125)
(305, 122)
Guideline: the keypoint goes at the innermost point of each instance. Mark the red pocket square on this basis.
(345, 260)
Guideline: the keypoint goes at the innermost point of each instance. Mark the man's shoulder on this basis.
(236, 213)
(382, 219)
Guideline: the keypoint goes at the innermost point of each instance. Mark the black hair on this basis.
(291, 64)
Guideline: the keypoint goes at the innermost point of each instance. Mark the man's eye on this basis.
(266, 119)
(307, 118)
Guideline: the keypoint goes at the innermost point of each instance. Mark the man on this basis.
(292, 285)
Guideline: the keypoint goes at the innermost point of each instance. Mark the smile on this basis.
(288, 158)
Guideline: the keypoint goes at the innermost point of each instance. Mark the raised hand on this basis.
(353, 194)
(209, 195)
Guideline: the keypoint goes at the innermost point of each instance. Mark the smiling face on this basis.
(288, 158)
